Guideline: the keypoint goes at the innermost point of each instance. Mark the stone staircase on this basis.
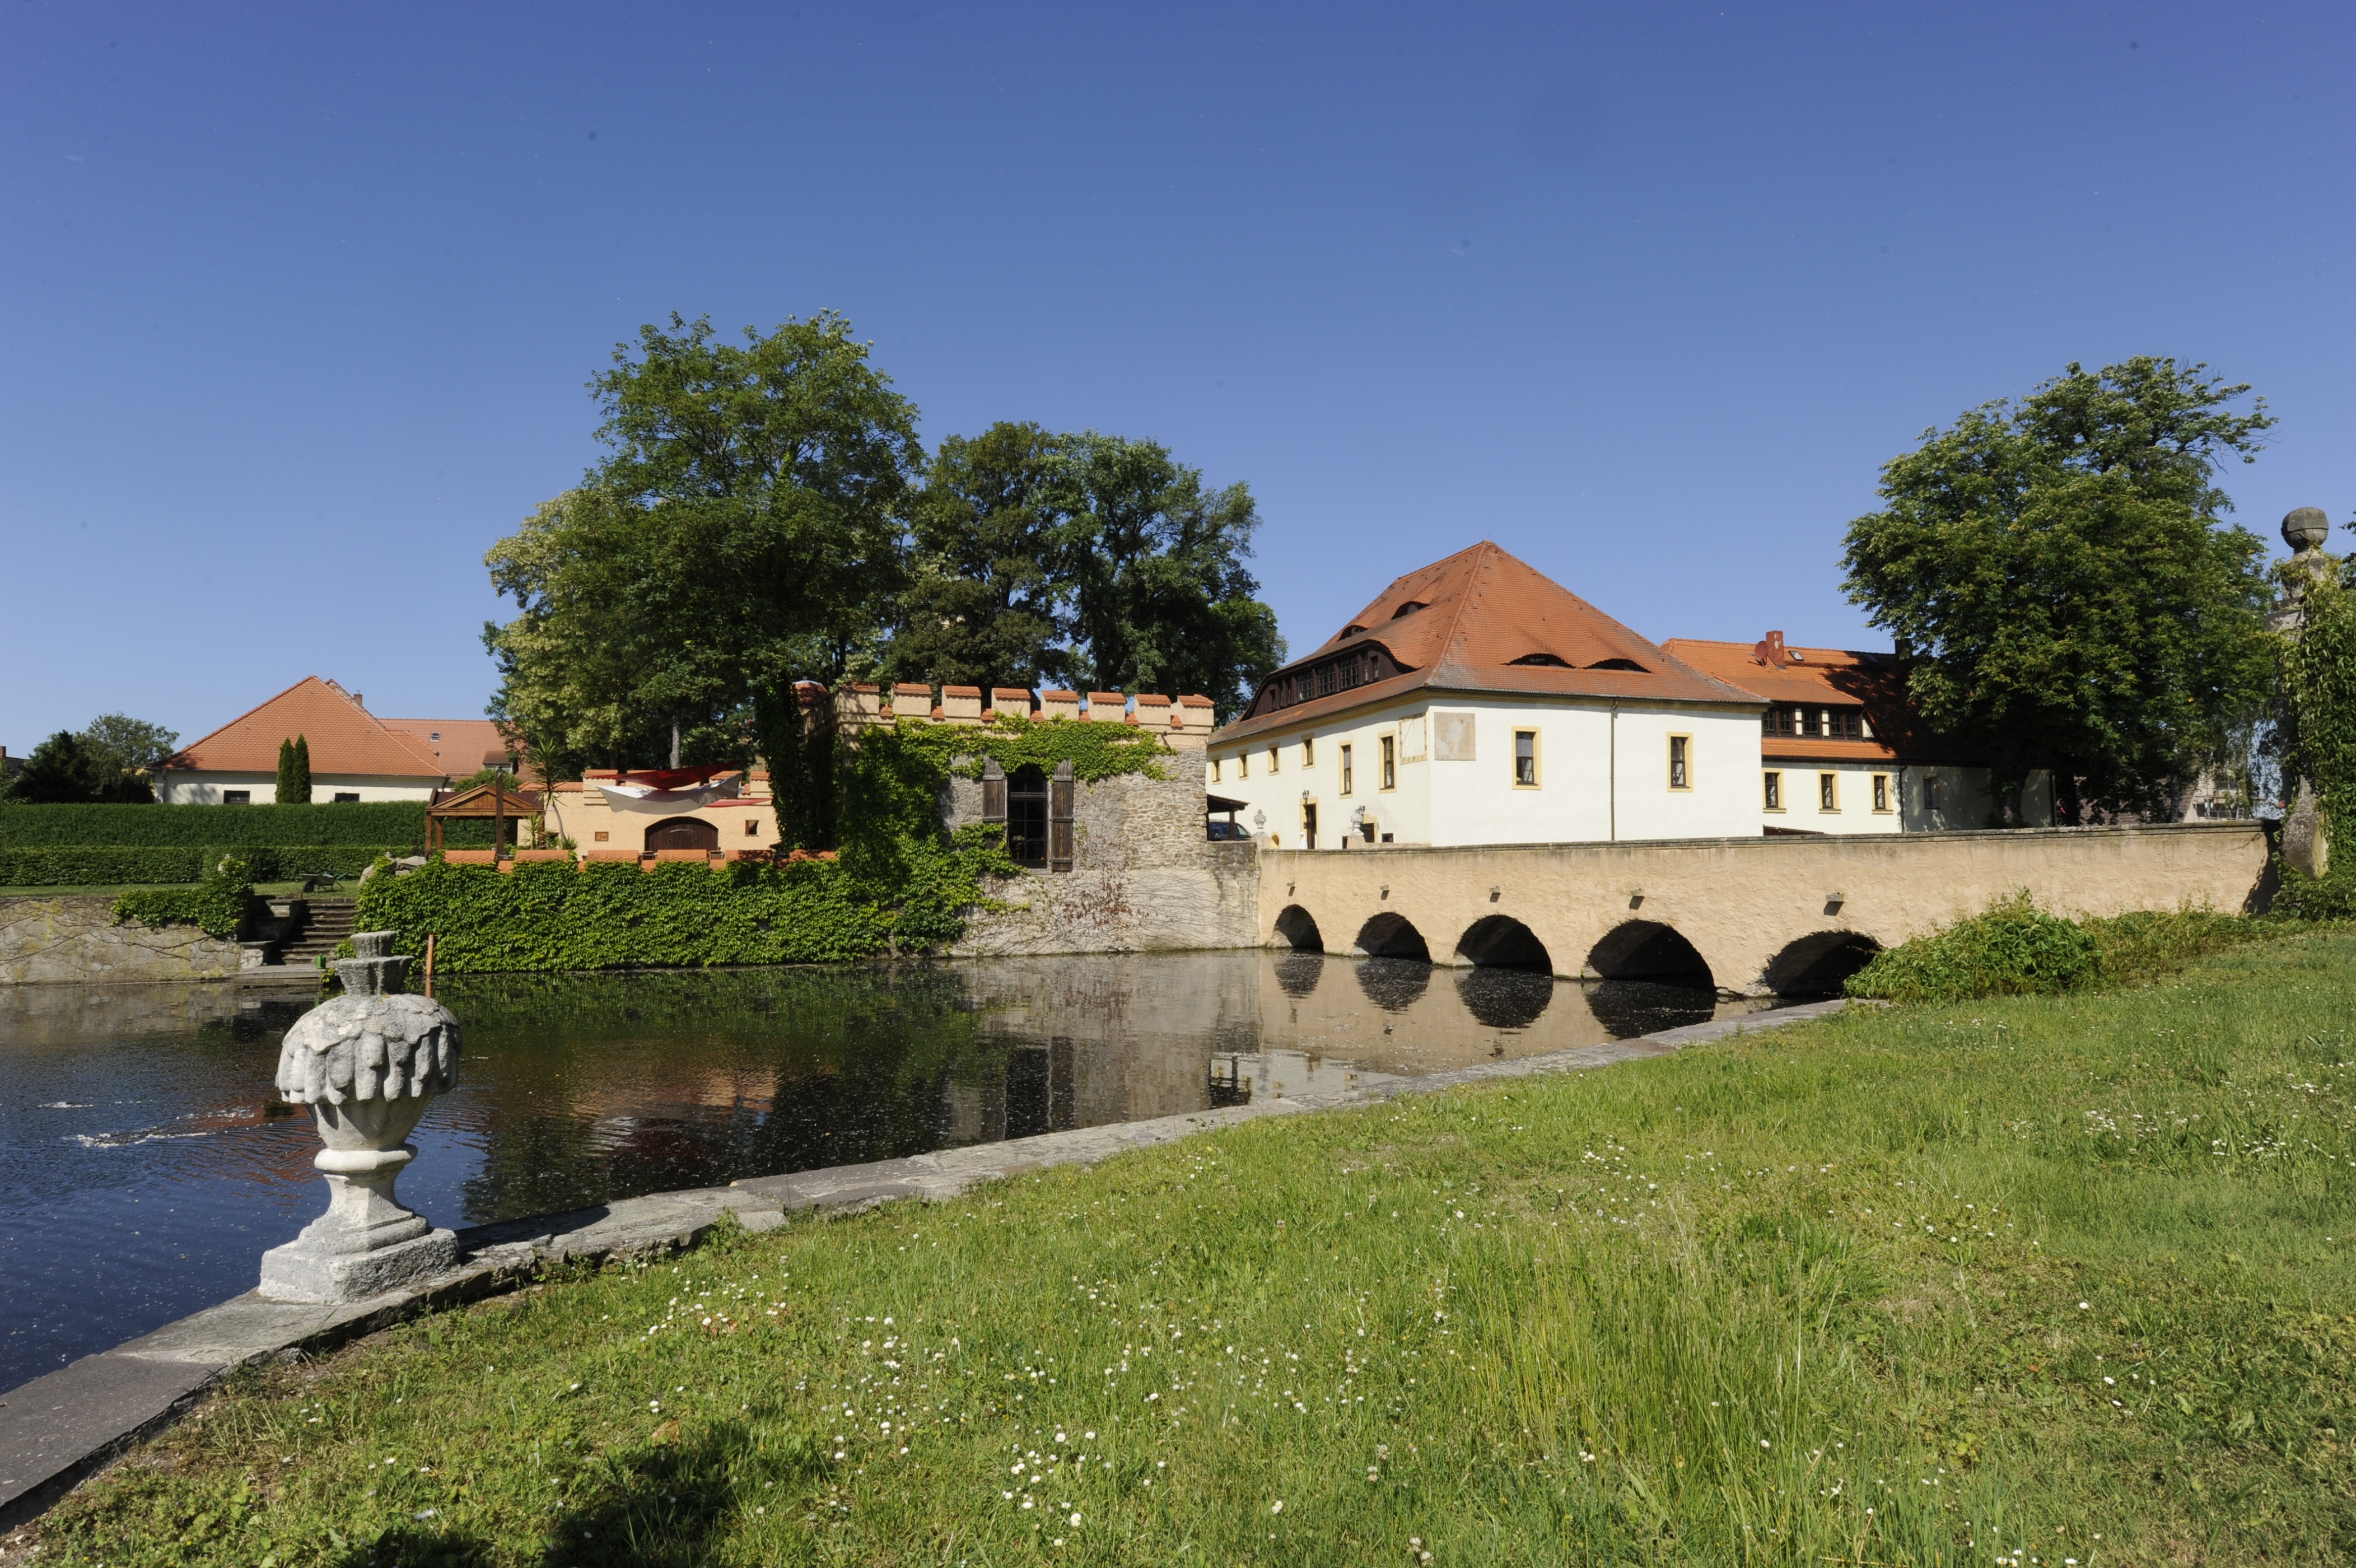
(329, 924)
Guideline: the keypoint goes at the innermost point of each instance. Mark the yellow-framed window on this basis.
(1773, 791)
(1390, 763)
(1525, 759)
(1881, 793)
(1827, 791)
(1346, 770)
(1680, 762)
(1308, 751)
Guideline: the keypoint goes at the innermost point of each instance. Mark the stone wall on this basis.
(49, 940)
(1143, 877)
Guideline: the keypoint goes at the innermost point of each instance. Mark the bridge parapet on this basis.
(1762, 914)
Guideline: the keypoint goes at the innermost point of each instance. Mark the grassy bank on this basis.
(2034, 1280)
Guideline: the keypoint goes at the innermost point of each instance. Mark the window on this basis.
(1309, 824)
(752, 827)
(1774, 792)
(1827, 791)
(1274, 764)
(1390, 764)
(1680, 767)
(1848, 724)
(1812, 722)
(1346, 770)
(436, 736)
(1243, 765)
(237, 797)
(1881, 791)
(1929, 792)
(1525, 759)
(1026, 815)
(344, 797)
(1309, 751)
(1215, 771)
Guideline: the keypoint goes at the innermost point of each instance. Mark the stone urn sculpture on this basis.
(366, 1063)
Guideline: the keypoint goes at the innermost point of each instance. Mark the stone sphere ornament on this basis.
(2306, 528)
(366, 1063)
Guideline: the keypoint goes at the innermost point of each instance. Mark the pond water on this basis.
(145, 1164)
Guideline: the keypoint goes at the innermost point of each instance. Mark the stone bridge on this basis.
(1756, 915)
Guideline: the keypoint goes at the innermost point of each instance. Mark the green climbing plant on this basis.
(2319, 692)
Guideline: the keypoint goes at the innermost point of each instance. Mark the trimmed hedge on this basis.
(368, 825)
(546, 916)
(87, 865)
(216, 905)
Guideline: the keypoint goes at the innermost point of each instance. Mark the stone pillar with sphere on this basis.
(366, 1063)
(2306, 839)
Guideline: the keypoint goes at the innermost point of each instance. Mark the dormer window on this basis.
(1549, 661)
(1628, 664)
(1353, 631)
(1408, 608)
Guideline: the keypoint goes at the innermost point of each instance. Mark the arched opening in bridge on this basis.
(1298, 929)
(1390, 936)
(1818, 964)
(1505, 998)
(1500, 942)
(1646, 949)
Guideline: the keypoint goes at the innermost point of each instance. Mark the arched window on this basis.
(1026, 816)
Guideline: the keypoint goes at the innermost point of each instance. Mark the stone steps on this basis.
(331, 921)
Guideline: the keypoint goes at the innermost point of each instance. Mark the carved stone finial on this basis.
(366, 1063)
(2306, 528)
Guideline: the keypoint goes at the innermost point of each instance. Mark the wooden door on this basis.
(683, 832)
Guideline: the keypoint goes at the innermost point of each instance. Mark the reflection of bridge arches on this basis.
(1297, 974)
(1646, 949)
(1816, 964)
(1393, 985)
(1298, 928)
(1505, 998)
(1500, 942)
(1390, 936)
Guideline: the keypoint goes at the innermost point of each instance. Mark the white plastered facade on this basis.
(1602, 773)
(211, 788)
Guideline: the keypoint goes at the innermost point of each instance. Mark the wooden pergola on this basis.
(495, 800)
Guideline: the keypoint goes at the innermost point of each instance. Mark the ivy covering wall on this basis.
(2320, 684)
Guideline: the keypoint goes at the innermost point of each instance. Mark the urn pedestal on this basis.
(366, 1063)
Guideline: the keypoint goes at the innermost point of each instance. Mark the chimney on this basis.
(1769, 651)
(361, 702)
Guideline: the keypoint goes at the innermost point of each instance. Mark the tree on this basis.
(294, 773)
(61, 771)
(2058, 577)
(986, 603)
(743, 532)
(1162, 601)
(126, 752)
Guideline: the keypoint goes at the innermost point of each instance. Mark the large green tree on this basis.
(987, 600)
(743, 532)
(1162, 598)
(2059, 577)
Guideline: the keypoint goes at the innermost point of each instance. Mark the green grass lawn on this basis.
(2034, 1281)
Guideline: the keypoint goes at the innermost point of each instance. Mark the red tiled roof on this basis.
(1464, 624)
(462, 746)
(1828, 677)
(343, 736)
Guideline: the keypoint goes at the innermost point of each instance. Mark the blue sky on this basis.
(300, 300)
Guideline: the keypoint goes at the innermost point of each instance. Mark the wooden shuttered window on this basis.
(1059, 818)
(994, 792)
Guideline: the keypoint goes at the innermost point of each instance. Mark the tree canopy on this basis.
(2058, 575)
(764, 516)
(107, 761)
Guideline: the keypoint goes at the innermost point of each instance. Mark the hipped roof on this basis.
(1459, 624)
(343, 737)
(466, 745)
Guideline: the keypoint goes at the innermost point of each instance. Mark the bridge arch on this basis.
(1297, 928)
(1500, 942)
(1648, 950)
(1816, 964)
(1390, 935)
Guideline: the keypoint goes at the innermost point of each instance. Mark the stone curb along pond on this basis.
(58, 1429)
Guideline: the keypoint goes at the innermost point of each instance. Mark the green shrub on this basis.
(2013, 949)
(2016, 950)
(215, 906)
(194, 827)
(548, 916)
(82, 865)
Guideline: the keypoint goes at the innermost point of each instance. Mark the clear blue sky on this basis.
(300, 300)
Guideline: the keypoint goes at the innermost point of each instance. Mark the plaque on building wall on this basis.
(1451, 737)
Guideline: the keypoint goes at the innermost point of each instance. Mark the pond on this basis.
(146, 1163)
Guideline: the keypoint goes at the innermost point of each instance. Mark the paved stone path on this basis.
(58, 1429)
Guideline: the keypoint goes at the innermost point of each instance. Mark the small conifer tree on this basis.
(302, 795)
(285, 771)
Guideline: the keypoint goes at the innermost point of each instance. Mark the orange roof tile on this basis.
(344, 739)
(1483, 620)
(1829, 677)
(461, 746)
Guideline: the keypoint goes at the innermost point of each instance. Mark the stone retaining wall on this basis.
(77, 939)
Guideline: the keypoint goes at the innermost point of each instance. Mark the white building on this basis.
(1478, 701)
(355, 756)
(1842, 751)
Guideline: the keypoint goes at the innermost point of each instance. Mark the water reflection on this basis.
(144, 1163)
